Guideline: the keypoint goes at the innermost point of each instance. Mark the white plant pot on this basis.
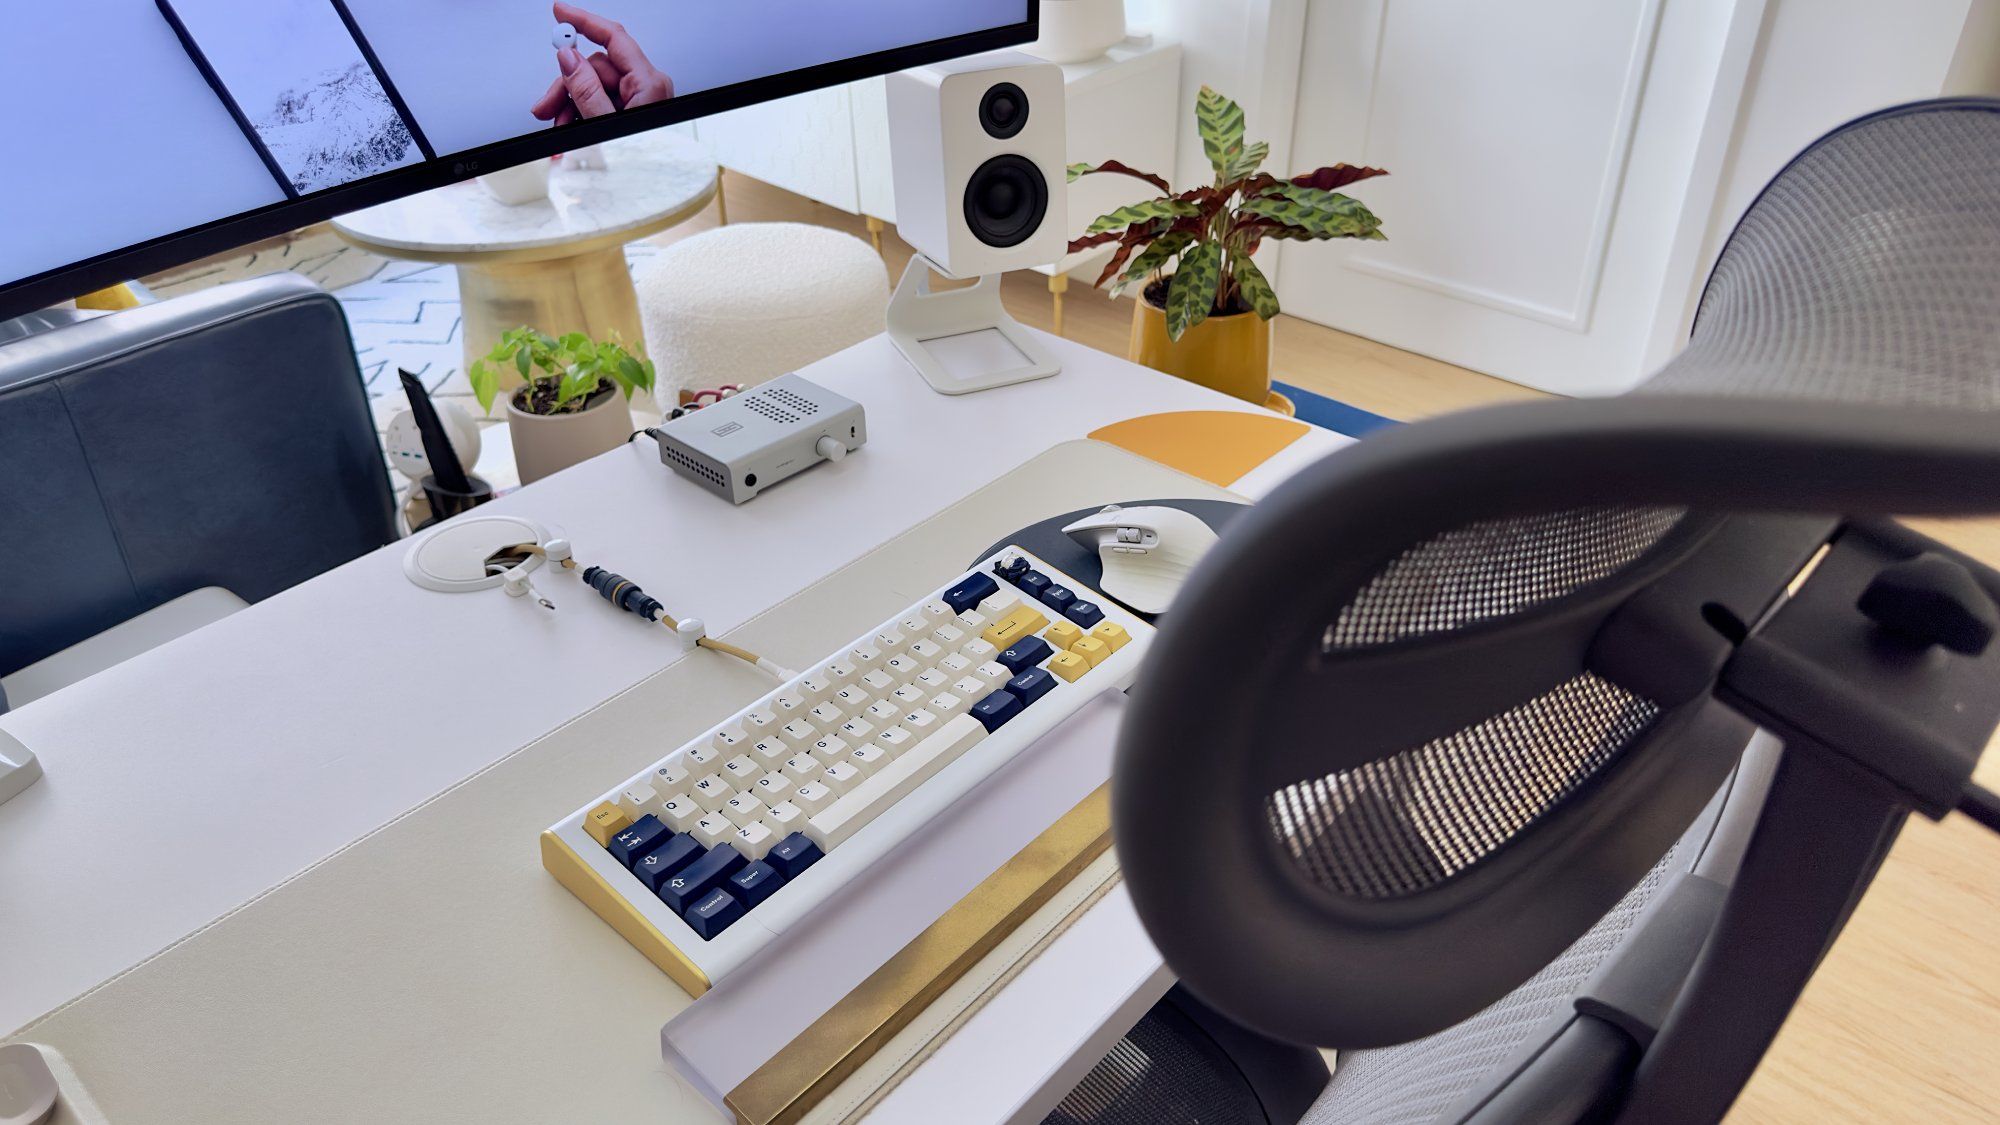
(525, 183)
(1075, 31)
(547, 444)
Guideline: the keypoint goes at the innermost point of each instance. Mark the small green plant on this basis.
(563, 373)
(1208, 234)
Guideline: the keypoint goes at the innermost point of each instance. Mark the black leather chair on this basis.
(217, 439)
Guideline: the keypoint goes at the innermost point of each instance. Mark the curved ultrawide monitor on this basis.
(148, 133)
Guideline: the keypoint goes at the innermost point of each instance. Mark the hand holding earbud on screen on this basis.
(618, 77)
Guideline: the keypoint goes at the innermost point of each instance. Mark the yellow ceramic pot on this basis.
(1231, 354)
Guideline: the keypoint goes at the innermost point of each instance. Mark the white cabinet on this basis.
(833, 145)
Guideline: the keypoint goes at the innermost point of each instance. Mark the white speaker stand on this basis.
(962, 340)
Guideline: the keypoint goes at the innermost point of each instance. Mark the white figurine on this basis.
(565, 36)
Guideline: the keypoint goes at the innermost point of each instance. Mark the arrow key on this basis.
(693, 883)
(654, 868)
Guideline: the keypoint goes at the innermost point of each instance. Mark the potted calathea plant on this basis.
(1204, 307)
(574, 399)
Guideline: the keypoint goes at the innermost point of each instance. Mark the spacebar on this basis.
(876, 795)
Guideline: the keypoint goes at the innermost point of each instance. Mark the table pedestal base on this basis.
(590, 293)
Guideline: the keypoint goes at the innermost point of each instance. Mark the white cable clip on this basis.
(691, 631)
(519, 584)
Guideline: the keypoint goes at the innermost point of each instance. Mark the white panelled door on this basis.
(1539, 154)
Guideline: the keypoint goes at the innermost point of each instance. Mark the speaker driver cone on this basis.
(1006, 200)
(1003, 112)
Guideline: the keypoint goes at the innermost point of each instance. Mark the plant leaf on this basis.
(522, 360)
(1120, 168)
(1191, 297)
(1156, 255)
(1146, 212)
(485, 385)
(1248, 161)
(1256, 288)
(1117, 264)
(1307, 213)
(1337, 176)
(1221, 124)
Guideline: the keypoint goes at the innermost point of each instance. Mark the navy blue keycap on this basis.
(1033, 583)
(655, 867)
(793, 854)
(755, 883)
(1086, 614)
(971, 592)
(1025, 654)
(713, 914)
(642, 836)
(693, 882)
(994, 711)
(1059, 598)
(1031, 685)
(1011, 569)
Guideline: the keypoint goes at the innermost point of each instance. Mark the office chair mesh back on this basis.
(1868, 272)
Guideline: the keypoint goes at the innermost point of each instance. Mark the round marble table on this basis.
(556, 264)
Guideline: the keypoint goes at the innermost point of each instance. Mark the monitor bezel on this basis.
(182, 247)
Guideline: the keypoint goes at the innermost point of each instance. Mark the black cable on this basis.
(650, 431)
(1981, 804)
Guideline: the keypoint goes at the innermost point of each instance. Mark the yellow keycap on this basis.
(1024, 621)
(1112, 634)
(605, 821)
(1091, 649)
(1069, 666)
(1062, 634)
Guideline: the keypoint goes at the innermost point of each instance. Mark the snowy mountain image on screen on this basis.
(336, 128)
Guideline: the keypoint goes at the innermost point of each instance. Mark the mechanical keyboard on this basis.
(706, 856)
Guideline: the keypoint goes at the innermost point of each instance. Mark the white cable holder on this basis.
(962, 340)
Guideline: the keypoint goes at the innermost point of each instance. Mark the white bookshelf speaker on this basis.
(980, 150)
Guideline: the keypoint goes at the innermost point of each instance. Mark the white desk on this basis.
(183, 783)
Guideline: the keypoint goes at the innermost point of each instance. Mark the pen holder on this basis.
(446, 503)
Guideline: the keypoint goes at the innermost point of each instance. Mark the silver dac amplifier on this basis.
(743, 445)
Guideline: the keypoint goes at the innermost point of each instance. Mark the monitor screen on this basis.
(153, 132)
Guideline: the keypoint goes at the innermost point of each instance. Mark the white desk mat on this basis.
(433, 971)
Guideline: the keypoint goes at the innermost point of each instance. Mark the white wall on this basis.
(1976, 67)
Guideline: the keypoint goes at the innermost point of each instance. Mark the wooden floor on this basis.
(1903, 1021)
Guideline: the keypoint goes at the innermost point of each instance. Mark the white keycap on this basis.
(928, 652)
(827, 716)
(727, 740)
(868, 759)
(932, 680)
(862, 657)
(841, 776)
(948, 636)
(801, 767)
(830, 749)
(973, 622)
(772, 752)
(743, 809)
(996, 606)
(639, 800)
(708, 759)
(913, 626)
(713, 828)
(742, 769)
(895, 740)
(945, 705)
(711, 792)
(784, 818)
(791, 703)
(889, 641)
(754, 841)
(760, 722)
(679, 812)
(841, 671)
(798, 731)
(903, 666)
(883, 711)
(919, 723)
(670, 778)
(909, 695)
(878, 683)
(853, 697)
(995, 675)
(937, 611)
(970, 688)
(978, 651)
(837, 823)
(812, 797)
(954, 665)
(857, 730)
(817, 685)
(773, 787)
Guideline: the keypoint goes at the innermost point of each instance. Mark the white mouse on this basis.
(565, 36)
(1147, 552)
(28, 1087)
